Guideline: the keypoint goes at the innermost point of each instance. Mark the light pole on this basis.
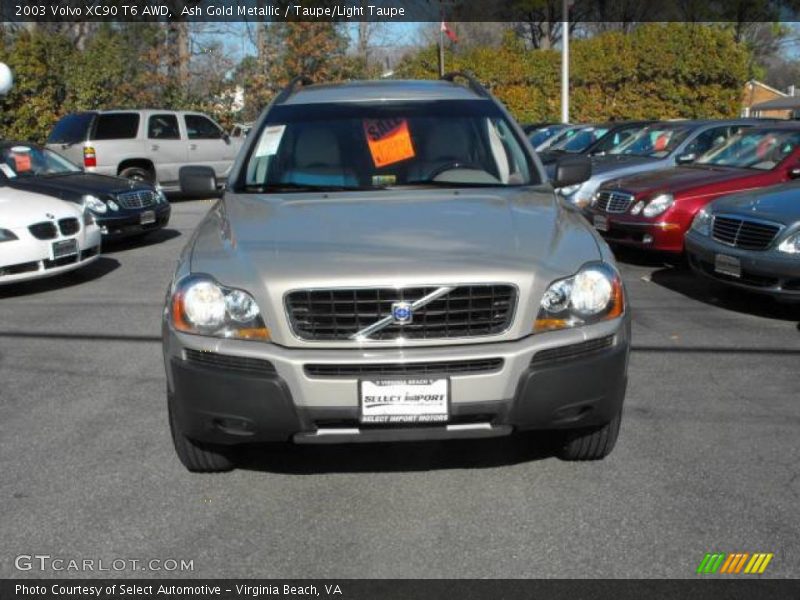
(565, 61)
(6, 79)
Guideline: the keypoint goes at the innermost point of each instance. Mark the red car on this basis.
(654, 210)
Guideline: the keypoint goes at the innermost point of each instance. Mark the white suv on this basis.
(147, 145)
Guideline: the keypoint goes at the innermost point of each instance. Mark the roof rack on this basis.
(289, 89)
(474, 84)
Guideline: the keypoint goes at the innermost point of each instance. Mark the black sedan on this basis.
(751, 240)
(120, 207)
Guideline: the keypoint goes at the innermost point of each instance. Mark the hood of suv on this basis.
(679, 180)
(359, 239)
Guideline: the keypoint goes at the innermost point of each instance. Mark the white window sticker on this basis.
(270, 140)
(7, 171)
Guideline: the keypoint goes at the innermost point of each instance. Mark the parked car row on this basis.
(703, 189)
(53, 215)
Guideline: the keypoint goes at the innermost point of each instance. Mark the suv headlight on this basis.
(94, 204)
(658, 205)
(6, 235)
(201, 306)
(791, 245)
(702, 222)
(594, 294)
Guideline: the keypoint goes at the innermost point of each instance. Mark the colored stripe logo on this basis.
(734, 563)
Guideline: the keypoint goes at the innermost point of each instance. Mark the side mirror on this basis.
(685, 159)
(227, 138)
(198, 181)
(572, 170)
(794, 173)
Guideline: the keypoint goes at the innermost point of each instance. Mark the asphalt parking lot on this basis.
(707, 458)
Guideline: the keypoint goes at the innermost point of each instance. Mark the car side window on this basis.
(116, 126)
(199, 127)
(710, 138)
(163, 127)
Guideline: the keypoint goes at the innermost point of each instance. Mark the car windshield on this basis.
(615, 138)
(653, 142)
(30, 161)
(539, 136)
(558, 138)
(388, 145)
(762, 150)
(582, 139)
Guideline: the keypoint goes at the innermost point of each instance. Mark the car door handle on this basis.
(192, 146)
(153, 146)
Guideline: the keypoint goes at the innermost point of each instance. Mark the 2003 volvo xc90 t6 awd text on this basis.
(389, 263)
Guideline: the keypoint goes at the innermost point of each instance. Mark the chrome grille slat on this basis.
(744, 233)
(614, 202)
(464, 367)
(463, 311)
(137, 199)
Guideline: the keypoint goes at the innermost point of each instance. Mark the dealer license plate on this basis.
(728, 265)
(404, 400)
(147, 217)
(64, 248)
(600, 223)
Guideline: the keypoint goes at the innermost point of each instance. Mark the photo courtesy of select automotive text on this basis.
(399, 299)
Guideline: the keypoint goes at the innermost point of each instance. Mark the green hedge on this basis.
(659, 71)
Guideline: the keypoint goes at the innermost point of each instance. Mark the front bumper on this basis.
(565, 379)
(766, 272)
(661, 236)
(129, 222)
(28, 258)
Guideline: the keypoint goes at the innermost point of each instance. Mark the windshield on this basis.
(558, 138)
(543, 134)
(762, 150)
(616, 138)
(29, 161)
(582, 139)
(654, 142)
(374, 146)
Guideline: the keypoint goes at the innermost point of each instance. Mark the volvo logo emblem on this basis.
(402, 313)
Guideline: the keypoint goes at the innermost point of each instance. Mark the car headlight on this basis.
(6, 235)
(569, 190)
(161, 197)
(94, 204)
(637, 208)
(658, 205)
(702, 222)
(594, 294)
(113, 205)
(791, 245)
(201, 306)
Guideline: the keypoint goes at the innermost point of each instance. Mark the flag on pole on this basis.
(449, 32)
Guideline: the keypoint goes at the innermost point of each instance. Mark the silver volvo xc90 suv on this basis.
(390, 263)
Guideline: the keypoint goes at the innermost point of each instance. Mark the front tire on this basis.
(592, 444)
(137, 174)
(198, 457)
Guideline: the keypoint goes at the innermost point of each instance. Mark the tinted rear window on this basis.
(116, 126)
(71, 129)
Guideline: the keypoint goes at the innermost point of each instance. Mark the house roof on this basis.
(767, 87)
(787, 103)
